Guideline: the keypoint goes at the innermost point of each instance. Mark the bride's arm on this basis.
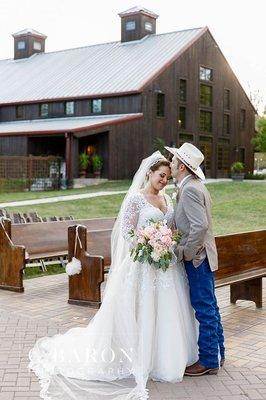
(130, 217)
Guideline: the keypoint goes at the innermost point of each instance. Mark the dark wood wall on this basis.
(110, 105)
(130, 142)
(127, 147)
(206, 53)
(136, 138)
(140, 31)
(13, 146)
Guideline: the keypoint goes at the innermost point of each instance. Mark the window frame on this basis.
(160, 104)
(39, 45)
(211, 121)
(223, 155)
(133, 22)
(227, 91)
(65, 107)
(228, 131)
(211, 95)
(150, 25)
(183, 100)
(182, 126)
(40, 110)
(244, 120)
(93, 111)
(21, 114)
(200, 75)
(20, 42)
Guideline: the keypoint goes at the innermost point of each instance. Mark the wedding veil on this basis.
(61, 362)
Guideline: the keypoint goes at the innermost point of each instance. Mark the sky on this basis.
(237, 26)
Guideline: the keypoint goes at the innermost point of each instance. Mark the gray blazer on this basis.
(193, 220)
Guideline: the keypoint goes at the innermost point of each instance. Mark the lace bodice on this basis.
(138, 211)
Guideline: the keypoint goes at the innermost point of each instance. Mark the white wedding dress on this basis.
(150, 327)
(144, 329)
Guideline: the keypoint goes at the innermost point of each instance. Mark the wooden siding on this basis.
(110, 105)
(129, 142)
(206, 53)
(13, 146)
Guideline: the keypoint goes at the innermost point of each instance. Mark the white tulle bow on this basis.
(74, 266)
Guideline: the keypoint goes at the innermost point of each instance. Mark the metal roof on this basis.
(138, 9)
(62, 125)
(103, 69)
(28, 31)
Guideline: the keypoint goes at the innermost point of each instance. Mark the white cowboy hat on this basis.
(191, 156)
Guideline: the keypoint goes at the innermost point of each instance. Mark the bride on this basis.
(145, 328)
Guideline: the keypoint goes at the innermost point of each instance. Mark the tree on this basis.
(259, 141)
(256, 98)
(158, 144)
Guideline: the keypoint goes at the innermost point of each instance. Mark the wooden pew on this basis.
(242, 265)
(12, 260)
(47, 240)
(95, 255)
(39, 241)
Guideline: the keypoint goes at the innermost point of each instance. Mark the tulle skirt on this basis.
(145, 329)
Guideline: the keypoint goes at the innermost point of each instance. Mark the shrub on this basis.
(237, 167)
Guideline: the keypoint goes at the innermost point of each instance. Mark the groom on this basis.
(198, 251)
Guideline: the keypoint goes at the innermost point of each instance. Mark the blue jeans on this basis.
(204, 302)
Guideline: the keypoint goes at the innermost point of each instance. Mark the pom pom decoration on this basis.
(74, 266)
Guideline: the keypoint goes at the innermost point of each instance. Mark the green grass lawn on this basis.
(107, 186)
(33, 272)
(237, 207)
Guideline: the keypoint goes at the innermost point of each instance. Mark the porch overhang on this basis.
(58, 126)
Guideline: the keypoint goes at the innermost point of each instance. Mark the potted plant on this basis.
(237, 171)
(84, 161)
(97, 163)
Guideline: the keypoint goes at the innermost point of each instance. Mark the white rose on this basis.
(155, 256)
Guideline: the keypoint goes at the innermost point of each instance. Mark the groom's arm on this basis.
(195, 210)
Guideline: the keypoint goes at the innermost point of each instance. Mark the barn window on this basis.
(227, 99)
(44, 110)
(21, 45)
(131, 25)
(69, 107)
(205, 121)
(37, 45)
(205, 146)
(185, 137)
(19, 111)
(182, 117)
(148, 26)
(226, 126)
(160, 112)
(223, 154)
(206, 74)
(96, 106)
(242, 118)
(183, 90)
(206, 95)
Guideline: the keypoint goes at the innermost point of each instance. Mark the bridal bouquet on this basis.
(154, 244)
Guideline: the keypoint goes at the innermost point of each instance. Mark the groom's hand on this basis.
(179, 252)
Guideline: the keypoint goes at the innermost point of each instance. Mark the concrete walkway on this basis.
(57, 199)
(43, 310)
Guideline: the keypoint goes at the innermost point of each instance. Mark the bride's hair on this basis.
(158, 164)
(154, 167)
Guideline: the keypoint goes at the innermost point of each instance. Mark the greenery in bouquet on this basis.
(154, 244)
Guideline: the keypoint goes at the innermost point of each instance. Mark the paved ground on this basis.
(43, 310)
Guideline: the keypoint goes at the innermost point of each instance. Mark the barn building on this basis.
(116, 98)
